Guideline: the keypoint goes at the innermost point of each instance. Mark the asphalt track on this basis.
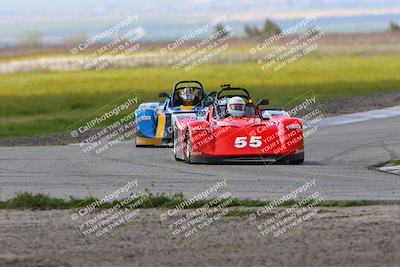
(337, 156)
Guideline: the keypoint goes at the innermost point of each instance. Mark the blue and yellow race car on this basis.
(154, 120)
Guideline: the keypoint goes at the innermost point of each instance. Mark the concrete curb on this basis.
(393, 169)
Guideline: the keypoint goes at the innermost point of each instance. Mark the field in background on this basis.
(234, 54)
(330, 39)
(43, 102)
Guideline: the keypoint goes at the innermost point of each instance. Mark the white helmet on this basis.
(236, 106)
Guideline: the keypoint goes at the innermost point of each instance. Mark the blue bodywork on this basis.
(154, 120)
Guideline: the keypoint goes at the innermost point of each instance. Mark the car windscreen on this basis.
(198, 96)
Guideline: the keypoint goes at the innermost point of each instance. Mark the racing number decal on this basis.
(240, 142)
(254, 142)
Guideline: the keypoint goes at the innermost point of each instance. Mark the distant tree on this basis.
(252, 31)
(221, 29)
(394, 27)
(31, 37)
(271, 28)
(248, 30)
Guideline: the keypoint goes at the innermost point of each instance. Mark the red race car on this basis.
(234, 129)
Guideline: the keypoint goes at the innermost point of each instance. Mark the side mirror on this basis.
(263, 102)
(163, 94)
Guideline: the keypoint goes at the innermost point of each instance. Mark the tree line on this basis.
(35, 37)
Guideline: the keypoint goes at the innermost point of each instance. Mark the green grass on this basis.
(323, 50)
(41, 202)
(41, 103)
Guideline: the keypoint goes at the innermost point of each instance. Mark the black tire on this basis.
(296, 161)
(175, 143)
(175, 157)
(140, 145)
(188, 151)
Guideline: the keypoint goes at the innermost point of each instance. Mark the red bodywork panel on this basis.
(242, 137)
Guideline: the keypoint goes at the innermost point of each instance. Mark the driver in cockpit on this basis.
(187, 97)
(236, 107)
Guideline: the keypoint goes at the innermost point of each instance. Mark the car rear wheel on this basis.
(176, 144)
(296, 161)
(188, 152)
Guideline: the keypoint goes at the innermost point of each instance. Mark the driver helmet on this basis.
(236, 106)
(187, 96)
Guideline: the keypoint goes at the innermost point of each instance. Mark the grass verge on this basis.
(43, 202)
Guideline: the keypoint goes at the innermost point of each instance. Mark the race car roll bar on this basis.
(181, 82)
(227, 87)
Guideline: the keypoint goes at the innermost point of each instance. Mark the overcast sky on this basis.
(60, 17)
(190, 9)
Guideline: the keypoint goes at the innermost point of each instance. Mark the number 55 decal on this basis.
(254, 142)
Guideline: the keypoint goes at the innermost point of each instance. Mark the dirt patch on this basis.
(342, 106)
(362, 103)
(356, 236)
(64, 138)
